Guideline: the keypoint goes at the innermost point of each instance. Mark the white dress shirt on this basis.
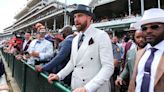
(44, 47)
(155, 62)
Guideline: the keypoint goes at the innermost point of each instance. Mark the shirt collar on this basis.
(69, 36)
(26, 40)
(87, 32)
(159, 46)
(40, 40)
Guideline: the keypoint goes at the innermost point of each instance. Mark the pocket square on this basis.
(90, 41)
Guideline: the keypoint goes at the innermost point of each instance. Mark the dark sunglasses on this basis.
(153, 27)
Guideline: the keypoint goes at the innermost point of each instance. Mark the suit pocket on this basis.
(76, 82)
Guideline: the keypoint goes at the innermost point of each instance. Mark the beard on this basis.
(141, 44)
(81, 27)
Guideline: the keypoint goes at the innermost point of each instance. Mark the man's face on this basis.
(64, 33)
(139, 38)
(114, 39)
(81, 21)
(27, 36)
(131, 33)
(154, 32)
(41, 33)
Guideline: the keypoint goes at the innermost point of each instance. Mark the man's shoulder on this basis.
(47, 42)
(70, 37)
(132, 50)
(33, 41)
(101, 33)
(97, 30)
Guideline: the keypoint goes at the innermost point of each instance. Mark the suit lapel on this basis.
(82, 49)
(27, 45)
(75, 47)
(160, 70)
(80, 53)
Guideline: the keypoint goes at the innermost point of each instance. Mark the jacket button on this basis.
(91, 58)
(83, 80)
(75, 66)
(82, 67)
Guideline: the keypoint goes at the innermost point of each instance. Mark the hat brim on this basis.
(153, 20)
(132, 29)
(82, 11)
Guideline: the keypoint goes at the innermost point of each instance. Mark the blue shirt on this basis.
(44, 47)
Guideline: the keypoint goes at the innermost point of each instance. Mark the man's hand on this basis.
(52, 77)
(35, 54)
(115, 62)
(38, 68)
(25, 57)
(119, 81)
(81, 89)
(18, 57)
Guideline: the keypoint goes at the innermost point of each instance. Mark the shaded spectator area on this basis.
(124, 9)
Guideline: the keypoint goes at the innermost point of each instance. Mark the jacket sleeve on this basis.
(64, 52)
(68, 68)
(125, 72)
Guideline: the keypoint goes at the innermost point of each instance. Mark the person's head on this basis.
(82, 17)
(152, 24)
(139, 39)
(114, 39)
(126, 38)
(110, 33)
(41, 33)
(27, 35)
(57, 39)
(66, 30)
(132, 30)
(38, 26)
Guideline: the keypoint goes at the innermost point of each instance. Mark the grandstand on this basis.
(110, 14)
(115, 15)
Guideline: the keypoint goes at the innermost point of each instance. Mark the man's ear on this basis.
(90, 18)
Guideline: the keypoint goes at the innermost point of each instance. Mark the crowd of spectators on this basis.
(50, 53)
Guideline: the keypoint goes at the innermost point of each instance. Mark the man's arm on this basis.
(66, 70)
(125, 71)
(64, 52)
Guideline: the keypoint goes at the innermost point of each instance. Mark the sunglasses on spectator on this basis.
(153, 27)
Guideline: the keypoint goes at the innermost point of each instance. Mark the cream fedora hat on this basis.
(152, 15)
(132, 27)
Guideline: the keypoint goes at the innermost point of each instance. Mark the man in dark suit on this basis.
(62, 57)
(148, 73)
